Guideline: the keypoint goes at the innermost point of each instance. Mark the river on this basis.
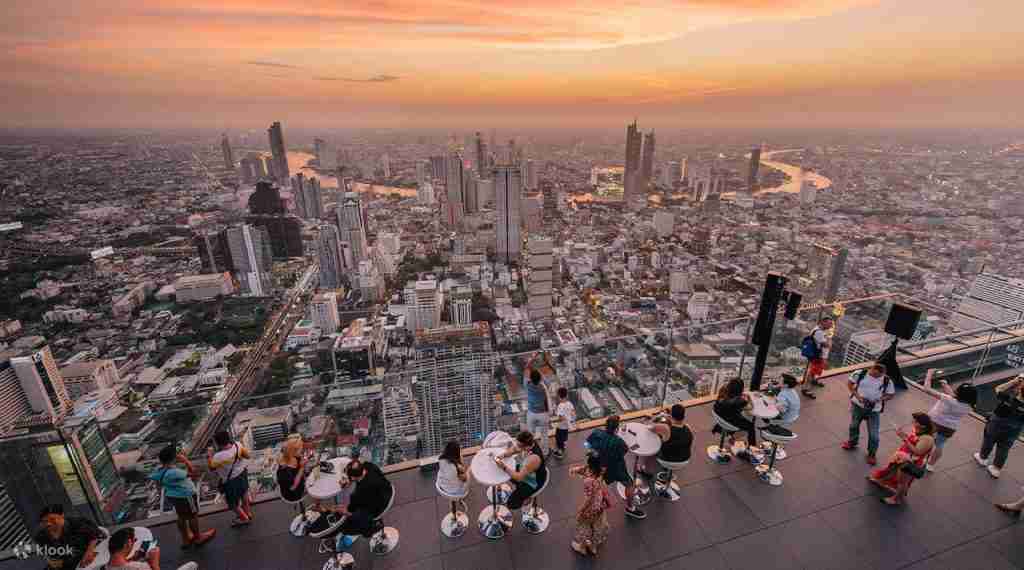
(298, 160)
(795, 176)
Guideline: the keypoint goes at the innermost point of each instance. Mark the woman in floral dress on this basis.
(591, 522)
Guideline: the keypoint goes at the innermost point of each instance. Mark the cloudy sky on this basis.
(390, 63)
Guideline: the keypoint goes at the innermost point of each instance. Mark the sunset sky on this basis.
(391, 63)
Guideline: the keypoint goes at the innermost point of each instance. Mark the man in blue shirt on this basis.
(181, 493)
(788, 401)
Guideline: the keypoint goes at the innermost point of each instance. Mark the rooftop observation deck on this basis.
(825, 516)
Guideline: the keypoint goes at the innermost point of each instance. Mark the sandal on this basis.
(892, 501)
(581, 552)
(1006, 509)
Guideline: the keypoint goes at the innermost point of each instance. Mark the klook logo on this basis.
(26, 549)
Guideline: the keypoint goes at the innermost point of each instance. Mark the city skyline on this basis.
(742, 63)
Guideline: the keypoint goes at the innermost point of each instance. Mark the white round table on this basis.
(495, 519)
(763, 406)
(323, 486)
(142, 534)
(642, 442)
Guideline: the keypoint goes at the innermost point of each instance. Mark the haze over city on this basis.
(399, 63)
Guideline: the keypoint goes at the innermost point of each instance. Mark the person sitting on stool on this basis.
(370, 497)
(676, 437)
(787, 402)
(530, 471)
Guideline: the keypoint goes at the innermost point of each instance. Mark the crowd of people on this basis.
(368, 492)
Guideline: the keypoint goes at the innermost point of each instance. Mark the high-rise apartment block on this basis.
(425, 194)
(461, 304)
(508, 192)
(225, 149)
(991, 300)
(42, 385)
(808, 193)
(631, 176)
(424, 301)
(530, 179)
(423, 173)
(672, 174)
(352, 223)
(454, 385)
(647, 162)
(323, 311)
(331, 257)
(251, 257)
(540, 277)
(280, 155)
(865, 346)
(308, 196)
(455, 187)
(439, 169)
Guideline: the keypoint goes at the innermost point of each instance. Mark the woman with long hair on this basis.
(291, 469)
(908, 462)
(729, 406)
(591, 520)
(950, 407)
(452, 475)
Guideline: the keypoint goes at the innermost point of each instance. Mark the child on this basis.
(566, 415)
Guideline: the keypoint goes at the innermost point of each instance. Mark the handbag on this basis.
(231, 470)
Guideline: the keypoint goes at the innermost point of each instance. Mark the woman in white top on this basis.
(231, 463)
(452, 475)
(946, 413)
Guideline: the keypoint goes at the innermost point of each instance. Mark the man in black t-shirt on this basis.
(68, 541)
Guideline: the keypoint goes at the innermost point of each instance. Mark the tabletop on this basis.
(142, 534)
(763, 405)
(640, 439)
(327, 485)
(484, 469)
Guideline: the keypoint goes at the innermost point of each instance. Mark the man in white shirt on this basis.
(869, 390)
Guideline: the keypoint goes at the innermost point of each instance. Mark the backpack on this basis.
(885, 385)
(809, 348)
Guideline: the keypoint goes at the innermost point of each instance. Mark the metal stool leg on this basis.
(535, 519)
(454, 524)
(768, 473)
(719, 453)
(384, 540)
(666, 485)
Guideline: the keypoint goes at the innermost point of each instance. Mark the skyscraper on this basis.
(352, 225)
(225, 149)
(470, 191)
(42, 383)
(454, 385)
(439, 168)
(251, 256)
(672, 174)
(266, 200)
(330, 256)
(508, 192)
(752, 169)
(385, 165)
(634, 146)
(247, 170)
(455, 188)
(647, 163)
(539, 281)
(308, 197)
(530, 170)
(481, 158)
(280, 155)
(423, 174)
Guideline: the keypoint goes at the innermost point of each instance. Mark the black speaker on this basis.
(774, 284)
(902, 321)
(792, 304)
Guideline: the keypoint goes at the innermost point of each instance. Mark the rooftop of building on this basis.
(824, 516)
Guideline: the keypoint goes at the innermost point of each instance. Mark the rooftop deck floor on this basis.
(824, 517)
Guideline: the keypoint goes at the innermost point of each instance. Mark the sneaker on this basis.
(636, 513)
(848, 445)
(809, 395)
(871, 460)
(189, 566)
(325, 546)
(981, 461)
(994, 471)
(324, 525)
(558, 453)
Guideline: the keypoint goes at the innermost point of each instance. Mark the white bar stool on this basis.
(776, 435)
(665, 483)
(386, 538)
(455, 523)
(720, 453)
(536, 519)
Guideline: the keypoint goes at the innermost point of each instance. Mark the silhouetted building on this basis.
(752, 169)
(214, 253)
(280, 155)
(266, 200)
(634, 147)
(508, 192)
(285, 234)
(225, 148)
(647, 162)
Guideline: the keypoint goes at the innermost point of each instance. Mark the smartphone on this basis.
(635, 446)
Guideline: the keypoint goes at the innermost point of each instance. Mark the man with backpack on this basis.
(815, 348)
(869, 390)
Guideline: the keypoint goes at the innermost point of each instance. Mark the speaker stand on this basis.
(892, 367)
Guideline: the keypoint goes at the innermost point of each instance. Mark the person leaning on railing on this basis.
(1004, 426)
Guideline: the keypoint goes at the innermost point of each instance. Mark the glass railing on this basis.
(397, 405)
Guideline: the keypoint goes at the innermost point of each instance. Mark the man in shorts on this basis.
(821, 342)
(610, 448)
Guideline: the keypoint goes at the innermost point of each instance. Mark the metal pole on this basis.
(746, 341)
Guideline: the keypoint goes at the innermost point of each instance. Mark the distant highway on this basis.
(258, 357)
